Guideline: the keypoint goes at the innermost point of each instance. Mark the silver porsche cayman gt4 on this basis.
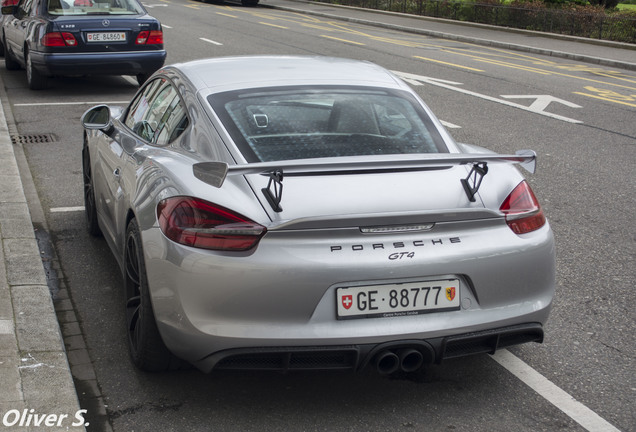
(290, 213)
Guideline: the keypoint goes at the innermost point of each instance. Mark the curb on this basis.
(36, 385)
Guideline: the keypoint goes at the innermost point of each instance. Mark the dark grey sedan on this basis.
(81, 37)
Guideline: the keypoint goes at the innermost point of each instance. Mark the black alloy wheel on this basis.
(147, 350)
(90, 208)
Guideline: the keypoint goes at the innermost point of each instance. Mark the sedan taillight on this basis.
(522, 210)
(198, 223)
(149, 37)
(58, 39)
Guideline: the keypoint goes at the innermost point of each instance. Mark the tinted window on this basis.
(321, 122)
(173, 123)
(93, 7)
(157, 113)
(139, 105)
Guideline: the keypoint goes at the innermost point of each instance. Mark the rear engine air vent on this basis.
(306, 359)
(490, 341)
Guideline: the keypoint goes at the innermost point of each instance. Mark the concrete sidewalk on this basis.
(36, 384)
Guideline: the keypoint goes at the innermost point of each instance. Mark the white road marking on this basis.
(450, 125)
(211, 41)
(131, 80)
(541, 101)
(553, 394)
(419, 80)
(67, 209)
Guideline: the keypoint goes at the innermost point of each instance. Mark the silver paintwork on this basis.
(282, 293)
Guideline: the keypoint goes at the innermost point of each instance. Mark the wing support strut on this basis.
(473, 181)
(274, 190)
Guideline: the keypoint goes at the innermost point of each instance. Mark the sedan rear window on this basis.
(93, 7)
(326, 122)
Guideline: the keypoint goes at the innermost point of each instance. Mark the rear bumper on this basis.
(385, 357)
(279, 301)
(118, 63)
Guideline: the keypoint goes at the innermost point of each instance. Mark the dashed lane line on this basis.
(211, 41)
(66, 209)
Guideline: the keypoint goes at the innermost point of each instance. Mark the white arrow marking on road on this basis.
(542, 101)
(419, 80)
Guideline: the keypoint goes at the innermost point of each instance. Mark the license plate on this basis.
(106, 37)
(392, 300)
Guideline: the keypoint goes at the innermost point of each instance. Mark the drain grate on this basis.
(32, 139)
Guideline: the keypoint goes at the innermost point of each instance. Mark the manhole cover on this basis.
(32, 139)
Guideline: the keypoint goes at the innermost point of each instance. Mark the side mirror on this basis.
(101, 117)
(98, 118)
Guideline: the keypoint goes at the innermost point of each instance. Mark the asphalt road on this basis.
(578, 118)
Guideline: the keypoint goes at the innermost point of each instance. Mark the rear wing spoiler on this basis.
(215, 173)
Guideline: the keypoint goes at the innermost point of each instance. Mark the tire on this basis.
(35, 79)
(147, 350)
(2, 47)
(249, 2)
(9, 62)
(90, 208)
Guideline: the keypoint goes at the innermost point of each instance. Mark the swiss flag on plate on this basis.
(347, 301)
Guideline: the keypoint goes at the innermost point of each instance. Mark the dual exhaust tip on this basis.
(403, 359)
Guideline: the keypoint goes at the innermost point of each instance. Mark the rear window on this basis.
(301, 123)
(92, 7)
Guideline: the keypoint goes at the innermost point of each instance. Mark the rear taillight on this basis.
(522, 210)
(149, 37)
(201, 224)
(58, 39)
